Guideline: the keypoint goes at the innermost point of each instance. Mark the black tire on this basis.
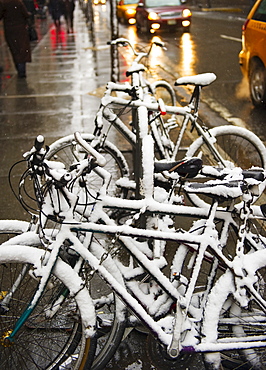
(164, 91)
(161, 360)
(163, 144)
(237, 146)
(257, 84)
(233, 321)
(44, 342)
(111, 314)
(186, 253)
(101, 348)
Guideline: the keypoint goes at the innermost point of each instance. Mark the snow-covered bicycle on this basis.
(223, 146)
(76, 259)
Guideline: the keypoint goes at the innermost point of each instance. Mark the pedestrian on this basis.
(15, 17)
(29, 4)
(68, 9)
(56, 10)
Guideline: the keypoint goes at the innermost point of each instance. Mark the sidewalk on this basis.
(56, 98)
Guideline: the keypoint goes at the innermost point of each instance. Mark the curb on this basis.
(231, 10)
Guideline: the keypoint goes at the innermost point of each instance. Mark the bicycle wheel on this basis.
(228, 321)
(110, 311)
(67, 151)
(237, 146)
(46, 340)
(211, 269)
(161, 126)
(164, 90)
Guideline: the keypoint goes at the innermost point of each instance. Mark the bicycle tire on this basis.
(238, 147)
(8, 230)
(184, 262)
(242, 322)
(163, 144)
(162, 89)
(105, 342)
(111, 315)
(43, 342)
(116, 164)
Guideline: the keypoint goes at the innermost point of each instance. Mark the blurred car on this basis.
(99, 2)
(153, 15)
(126, 11)
(252, 57)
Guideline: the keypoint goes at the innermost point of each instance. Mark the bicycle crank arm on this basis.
(174, 348)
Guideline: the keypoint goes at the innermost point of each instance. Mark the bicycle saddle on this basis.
(135, 68)
(220, 173)
(202, 79)
(217, 189)
(184, 168)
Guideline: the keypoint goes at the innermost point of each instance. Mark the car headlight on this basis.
(131, 12)
(186, 13)
(153, 16)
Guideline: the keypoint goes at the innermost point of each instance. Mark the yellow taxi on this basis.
(126, 11)
(252, 57)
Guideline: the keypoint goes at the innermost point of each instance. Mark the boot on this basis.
(21, 68)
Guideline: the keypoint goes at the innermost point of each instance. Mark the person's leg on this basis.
(21, 68)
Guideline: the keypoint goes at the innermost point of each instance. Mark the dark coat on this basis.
(68, 8)
(15, 17)
(56, 8)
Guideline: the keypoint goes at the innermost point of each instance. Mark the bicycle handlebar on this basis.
(139, 55)
(39, 142)
(100, 160)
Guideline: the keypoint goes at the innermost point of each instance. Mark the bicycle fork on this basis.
(9, 336)
(182, 310)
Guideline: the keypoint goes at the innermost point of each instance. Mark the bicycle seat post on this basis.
(194, 101)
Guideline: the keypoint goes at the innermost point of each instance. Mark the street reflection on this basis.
(188, 54)
(58, 38)
(157, 53)
(132, 35)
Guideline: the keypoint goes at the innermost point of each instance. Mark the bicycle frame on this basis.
(186, 112)
(124, 234)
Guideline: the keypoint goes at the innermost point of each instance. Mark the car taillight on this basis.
(244, 27)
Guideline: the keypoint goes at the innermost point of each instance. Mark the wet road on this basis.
(212, 46)
(62, 90)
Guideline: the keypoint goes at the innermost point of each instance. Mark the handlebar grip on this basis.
(120, 41)
(100, 160)
(39, 141)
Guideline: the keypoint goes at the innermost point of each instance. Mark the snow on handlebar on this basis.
(100, 160)
(37, 148)
(125, 42)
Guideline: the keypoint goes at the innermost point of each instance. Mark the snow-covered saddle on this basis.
(202, 79)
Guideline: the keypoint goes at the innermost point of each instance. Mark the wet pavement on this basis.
(54, 99)
(64, 83)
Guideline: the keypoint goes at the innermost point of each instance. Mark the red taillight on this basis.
(244, 27)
